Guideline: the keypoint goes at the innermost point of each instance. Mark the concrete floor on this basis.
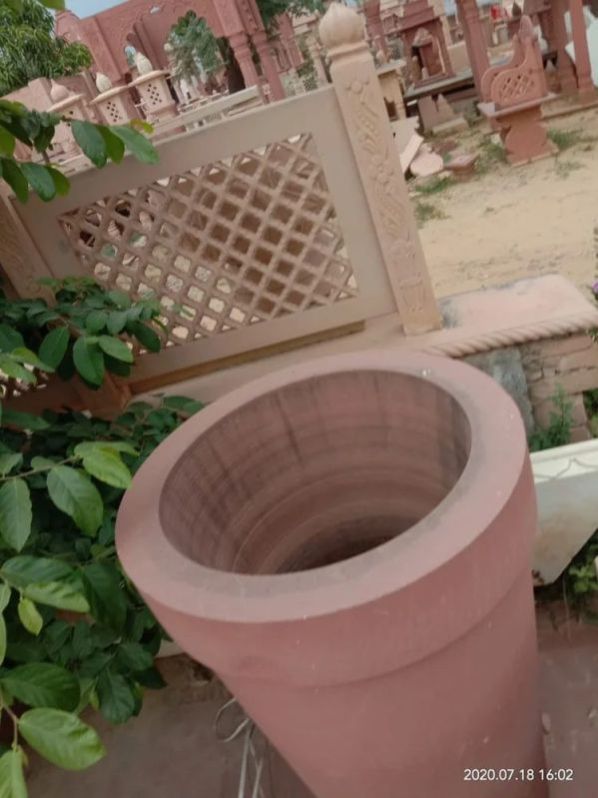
(172, 750)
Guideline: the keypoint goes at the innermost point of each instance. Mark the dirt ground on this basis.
(514, 222)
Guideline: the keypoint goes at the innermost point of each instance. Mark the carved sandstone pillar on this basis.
(374, 25)
(242, 51)
(469, 17)
(364, 112)
(271, 73)
(564, 66)
(583, 67)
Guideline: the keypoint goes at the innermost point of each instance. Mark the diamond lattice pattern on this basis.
(238, 242)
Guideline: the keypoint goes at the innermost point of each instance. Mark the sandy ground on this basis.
(516, 222)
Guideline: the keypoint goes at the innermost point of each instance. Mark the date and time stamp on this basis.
(521, 774)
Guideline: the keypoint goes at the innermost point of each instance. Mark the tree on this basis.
(195, 48)
(29, 49)
(270, 9)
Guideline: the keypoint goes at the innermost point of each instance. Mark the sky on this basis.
(85, 8)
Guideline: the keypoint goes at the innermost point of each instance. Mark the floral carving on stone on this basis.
(387, 190)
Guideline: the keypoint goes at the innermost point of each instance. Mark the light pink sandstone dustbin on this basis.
(347, 545)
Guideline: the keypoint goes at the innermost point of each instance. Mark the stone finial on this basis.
(59, 93)
(341, 26)
(103, 82)
(143, 64)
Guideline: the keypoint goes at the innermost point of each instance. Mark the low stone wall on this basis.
(571, 362)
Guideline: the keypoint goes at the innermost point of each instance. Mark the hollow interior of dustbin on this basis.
(315, 472)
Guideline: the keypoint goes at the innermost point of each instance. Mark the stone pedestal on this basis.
(70, 106)
(391, 86)
(157, 102)
(115, 106)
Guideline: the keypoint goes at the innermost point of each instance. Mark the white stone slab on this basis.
(567, 488)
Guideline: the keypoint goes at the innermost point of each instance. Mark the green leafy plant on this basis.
(491, 154)
(435, 186)
(578, 585)
(74, 633)
(85, 330)
(36, 130)
(558, 431)
(425, 211)
(29, 49)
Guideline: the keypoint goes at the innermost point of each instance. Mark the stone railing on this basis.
(292, 222)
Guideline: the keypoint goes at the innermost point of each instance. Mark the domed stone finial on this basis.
(58, 93)
(143, 64)
(103, 82)
(341, 26)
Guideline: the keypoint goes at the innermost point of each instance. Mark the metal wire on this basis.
(250, 759)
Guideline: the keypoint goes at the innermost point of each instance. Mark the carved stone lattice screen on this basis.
(241, 241)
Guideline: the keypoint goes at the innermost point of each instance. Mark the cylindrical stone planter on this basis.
(347, 544)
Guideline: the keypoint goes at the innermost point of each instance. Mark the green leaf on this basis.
(117, 367)
(134, 657)
(115, 147)
(12, 779)
(24, 355)
(10, 339)
(146, 337)
(5, 593)
(119, 446)
(61, 595)
(91, 141)
(2, 639)
(116, 348)
(61, 183)
(53, 347)
(89, 361)
(83, 642)
(73, 492)
(25, 570)
(15, 178)
(12, 368)
(183, 404)
(96, 321)
(57, 5)
(29, 616)
(15, 513)
(117, 701)
(7, 142)
(8, 462)
(136, 144)
(42, 463)
(120, 299)
(141, 125)
(105, 594)
(61, 738)
(116, 321)
(105, 464)
(25, 421)
(40, 180)
(43, 684)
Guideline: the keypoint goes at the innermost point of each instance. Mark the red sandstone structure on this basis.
(517, 91)
(328, 541)
(423, 37)
(146, 25)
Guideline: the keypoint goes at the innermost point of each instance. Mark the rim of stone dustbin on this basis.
(497, 457)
